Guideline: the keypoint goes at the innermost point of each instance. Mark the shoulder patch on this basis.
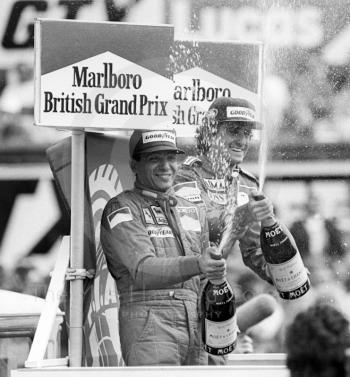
(191, 160)
(119, 216)
(249, 175)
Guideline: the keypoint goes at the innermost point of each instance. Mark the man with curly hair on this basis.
(223, 140)
(213, 180)
(316, 342)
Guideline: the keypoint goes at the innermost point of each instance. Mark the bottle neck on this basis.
(269, 222)
(218, 281)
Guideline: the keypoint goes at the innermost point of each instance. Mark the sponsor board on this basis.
(202, 74)
(103, 84)
(103, 87)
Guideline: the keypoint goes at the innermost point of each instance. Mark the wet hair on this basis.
(206, 131)
(316, 342)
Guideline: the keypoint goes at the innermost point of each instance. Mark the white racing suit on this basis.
(197, 183)
(152, 242)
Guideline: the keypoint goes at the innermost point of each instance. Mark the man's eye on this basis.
(153, 159)
(240, 132)
(234, 131)
(172, 158)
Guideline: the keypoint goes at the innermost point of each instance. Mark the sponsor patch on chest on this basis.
(159, 215)
(147, 215)
(217, 197)
(242, 198)
(189, 218)
(159, 232)
(189, 191)
(216, 190)
(215, 184)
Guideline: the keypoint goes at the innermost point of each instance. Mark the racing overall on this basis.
(196, 182)
(152, 242)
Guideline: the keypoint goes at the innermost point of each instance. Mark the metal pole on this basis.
(263, 150)
(77, 247)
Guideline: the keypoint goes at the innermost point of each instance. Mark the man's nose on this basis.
(240, 139)
(164, 163)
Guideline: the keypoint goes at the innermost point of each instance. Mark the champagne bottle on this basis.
(219, 325)
(285, 263)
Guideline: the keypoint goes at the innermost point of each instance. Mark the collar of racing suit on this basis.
(158, 195)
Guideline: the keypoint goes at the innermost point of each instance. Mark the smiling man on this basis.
(156, 247)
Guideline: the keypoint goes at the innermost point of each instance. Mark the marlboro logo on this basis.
(156, 136)
(215, 184)
(240, 112)
(104, 91)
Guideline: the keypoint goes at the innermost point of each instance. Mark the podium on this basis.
(19, 316)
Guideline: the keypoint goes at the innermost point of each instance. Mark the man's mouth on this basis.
(163, 176)
(233, 149)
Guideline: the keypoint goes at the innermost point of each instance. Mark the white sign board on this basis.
(107, 87)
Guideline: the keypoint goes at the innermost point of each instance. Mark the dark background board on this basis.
(236, 62)
(90, 38)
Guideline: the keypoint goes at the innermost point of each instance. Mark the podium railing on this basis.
(36, 357)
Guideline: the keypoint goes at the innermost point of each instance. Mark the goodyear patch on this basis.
(239, 112)
(158, 136)
(159, 232)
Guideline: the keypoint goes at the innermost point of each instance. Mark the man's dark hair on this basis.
(316, 343)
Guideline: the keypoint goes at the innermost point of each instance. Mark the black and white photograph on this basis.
(175, 188)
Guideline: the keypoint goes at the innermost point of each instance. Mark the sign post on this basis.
(77, 248)
(99, 81)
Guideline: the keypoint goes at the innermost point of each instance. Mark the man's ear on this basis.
(132, 164)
